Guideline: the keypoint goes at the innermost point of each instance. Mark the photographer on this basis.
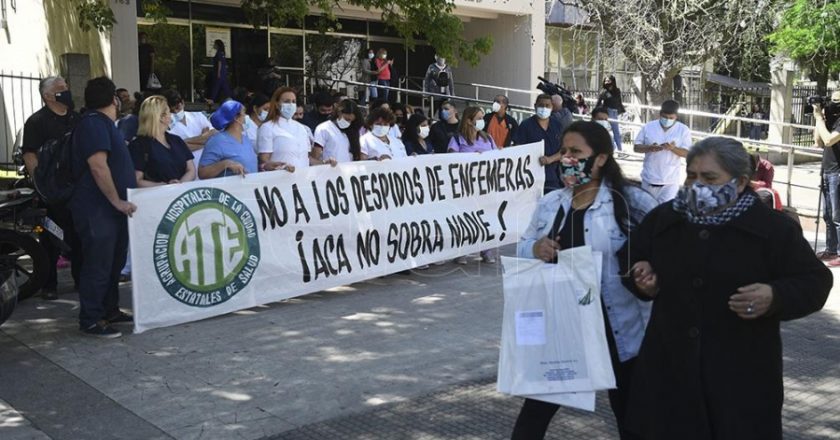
(827, 136)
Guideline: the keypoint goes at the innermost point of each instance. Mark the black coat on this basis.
(703, 372)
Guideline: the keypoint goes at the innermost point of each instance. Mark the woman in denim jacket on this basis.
(597, 208)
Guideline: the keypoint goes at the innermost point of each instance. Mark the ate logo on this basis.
(206, 248)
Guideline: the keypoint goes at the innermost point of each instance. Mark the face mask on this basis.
(424, 132)
(380, 130)
(383, 56)
(667, 123)
(263, 115)
(65, 98)
(703, 199)
(576, 172)
(342, 123)
(543, 112)
(496, 107)
(479, 124)
(607, 86)
(371, 56)
(605, 124)
(441, 61)
(178, 117)
(445, 114)
(288, 109)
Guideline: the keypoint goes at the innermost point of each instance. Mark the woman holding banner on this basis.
(597, 208)
(159, 157)
(722, 271)
(282, 141)
(338, 138)
(378, 143)
(229, 151)
(472, 139)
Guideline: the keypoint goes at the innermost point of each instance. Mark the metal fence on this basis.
(801, 136)
(19, 98)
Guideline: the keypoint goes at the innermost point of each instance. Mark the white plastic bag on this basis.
(153, 82)
(553, 338)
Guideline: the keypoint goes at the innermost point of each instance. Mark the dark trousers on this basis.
(104, 237)
(831, 210)
(220, 85)
(62, 217)
(536, 415)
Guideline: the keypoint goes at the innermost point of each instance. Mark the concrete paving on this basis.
(399, 357)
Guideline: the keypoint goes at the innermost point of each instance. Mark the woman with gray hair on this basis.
(722, 271)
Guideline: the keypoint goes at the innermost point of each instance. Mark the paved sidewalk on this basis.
(399, 357)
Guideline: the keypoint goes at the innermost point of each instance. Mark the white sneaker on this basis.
(460, 260)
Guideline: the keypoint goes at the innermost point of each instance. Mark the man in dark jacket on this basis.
(324, 103)
(47, 124)
(443, 130)
(499, 124)
(438, 79)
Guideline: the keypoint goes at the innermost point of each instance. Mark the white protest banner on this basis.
(205, 248)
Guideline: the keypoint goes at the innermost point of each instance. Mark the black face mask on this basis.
(65, 98)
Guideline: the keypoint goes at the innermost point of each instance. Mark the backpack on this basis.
(53, 177)
(443, 79)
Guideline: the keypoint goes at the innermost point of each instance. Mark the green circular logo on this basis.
(206, 248)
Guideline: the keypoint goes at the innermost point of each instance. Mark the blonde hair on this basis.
(152, 109)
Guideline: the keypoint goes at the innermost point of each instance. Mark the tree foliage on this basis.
(662, 37)
(431, 20)
(809, 32)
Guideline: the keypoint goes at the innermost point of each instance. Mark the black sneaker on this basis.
(102, 330)
(120, 318)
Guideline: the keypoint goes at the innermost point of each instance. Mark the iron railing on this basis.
(19, 99)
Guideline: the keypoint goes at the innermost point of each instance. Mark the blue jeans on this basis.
(613, 113)
(831, 210)
(383, 93)
(755, 132)
(104, 238)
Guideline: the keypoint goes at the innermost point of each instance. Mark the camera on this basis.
(818, 100)
(549, 88)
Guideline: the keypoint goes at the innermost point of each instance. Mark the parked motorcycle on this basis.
(20, 229)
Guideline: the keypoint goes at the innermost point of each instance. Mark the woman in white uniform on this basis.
(378, 143)
(338, 137)
(281, 141)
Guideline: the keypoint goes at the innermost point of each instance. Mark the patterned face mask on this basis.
(576, 172)
(702, 199)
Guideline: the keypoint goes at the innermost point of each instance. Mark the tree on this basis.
(809, 32)
(662, 37)
(431, 20)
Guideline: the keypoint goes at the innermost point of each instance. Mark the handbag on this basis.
(153, 82)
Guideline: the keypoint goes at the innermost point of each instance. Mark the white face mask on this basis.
(288, 109)
(178, 117)
(479, 124)
(371, 56)
(263, 115)
(496, 107)
(380, 130)
(605, 124)
(424, 132)
(543, 112)
(383, 56)
(342, 123)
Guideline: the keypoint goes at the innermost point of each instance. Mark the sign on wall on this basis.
(210, 247)
(217, 33)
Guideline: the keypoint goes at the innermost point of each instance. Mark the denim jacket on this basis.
(628, 316)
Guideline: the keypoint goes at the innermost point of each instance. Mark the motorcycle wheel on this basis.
(8, 289)
(30, 261)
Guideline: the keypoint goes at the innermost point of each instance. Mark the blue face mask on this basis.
(702, 199)
(667, 123)
(543, 112)
(444, 115)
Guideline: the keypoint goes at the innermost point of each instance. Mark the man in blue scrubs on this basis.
(542, 127)
(103, 171)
